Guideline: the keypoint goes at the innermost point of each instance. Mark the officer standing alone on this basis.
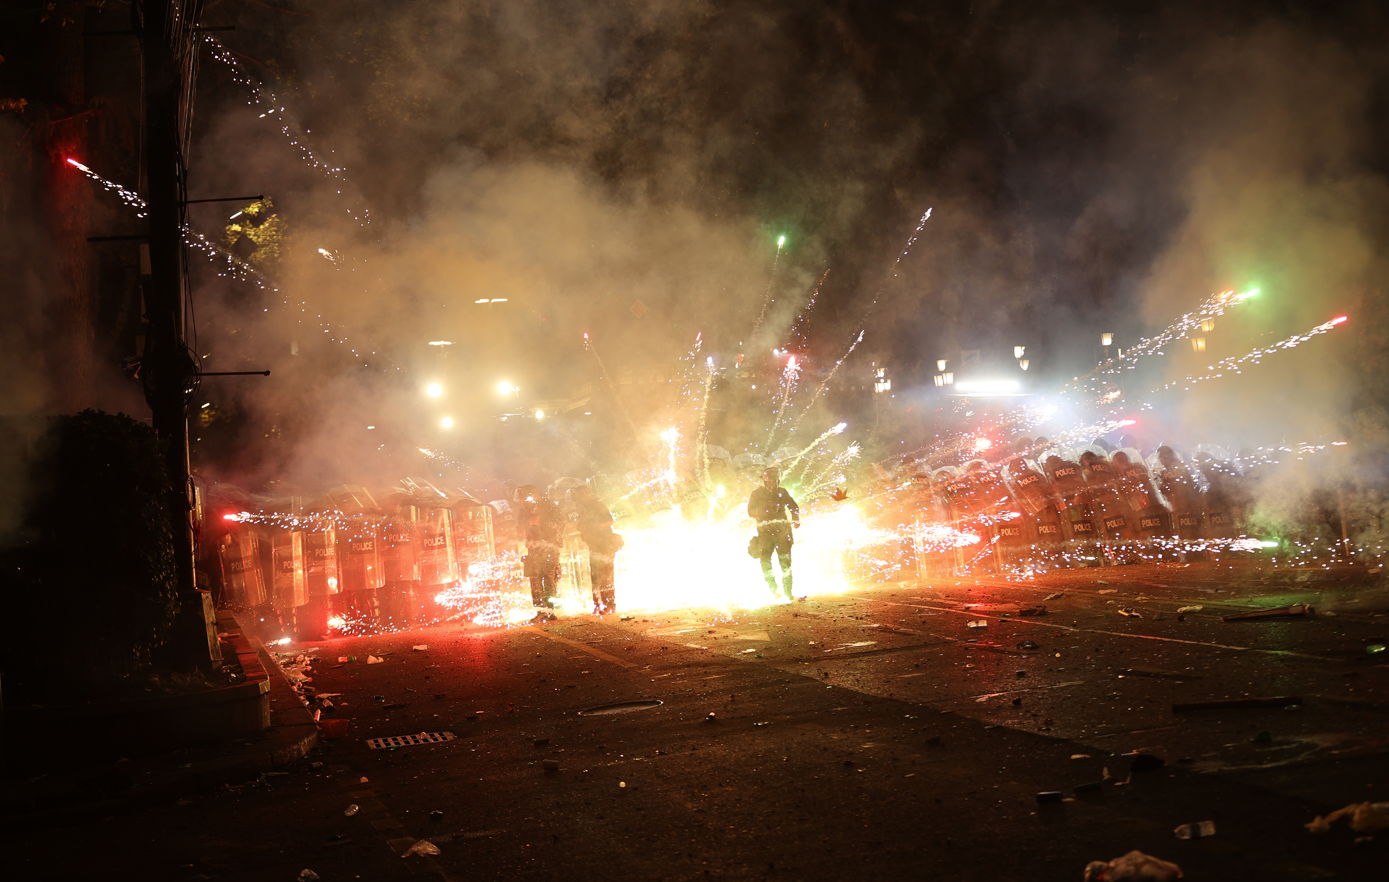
(776, 514)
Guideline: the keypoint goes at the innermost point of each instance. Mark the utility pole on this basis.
(166, 29)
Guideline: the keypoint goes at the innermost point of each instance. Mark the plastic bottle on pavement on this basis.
(351, 810)
(1195, 831)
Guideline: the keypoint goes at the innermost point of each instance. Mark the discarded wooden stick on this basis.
(1296, 610)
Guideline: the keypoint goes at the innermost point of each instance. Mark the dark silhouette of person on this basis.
(775, 512)
(543, 523)
(595, 523)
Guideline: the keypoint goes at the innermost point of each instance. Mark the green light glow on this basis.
(781, 240)
(1268, 544)
(1250, 293)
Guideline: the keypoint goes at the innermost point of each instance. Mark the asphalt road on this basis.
(872, 735)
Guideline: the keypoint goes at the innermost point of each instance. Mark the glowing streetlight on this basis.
(1022, 363)
(940, 364)
(505, 388)
(1018, 351)
(434, 390)
(540, 414)
(446, 422)
(781, 240)
(1106, 340)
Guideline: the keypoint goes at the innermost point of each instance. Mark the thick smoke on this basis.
(625, 171)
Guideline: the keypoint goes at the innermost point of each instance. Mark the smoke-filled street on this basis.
(552, 439)
(863, 736)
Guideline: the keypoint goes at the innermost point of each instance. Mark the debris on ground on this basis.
(1297, 610)
(423, 647)
(1146, 762)
(1028, 644)
(351, 810)
(424, 846)
(1133, 867)
(551, 765)
(1365, 817)
(1033, 611)
(1130, 612)
(373, 660)
(977, 623)
(1183, 610)
(307, 876)
(1195, 831)
(1055, 596)
(1109, 591)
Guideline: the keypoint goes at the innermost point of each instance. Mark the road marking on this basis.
(597, 653)
(1046, 625)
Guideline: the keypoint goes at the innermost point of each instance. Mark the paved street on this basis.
(865, 736)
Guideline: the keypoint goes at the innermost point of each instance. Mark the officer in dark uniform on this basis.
(543, 524)
(595, 522)
(776, 513)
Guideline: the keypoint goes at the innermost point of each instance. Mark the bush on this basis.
(89, 590)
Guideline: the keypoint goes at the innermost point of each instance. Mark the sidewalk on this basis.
(111, 788)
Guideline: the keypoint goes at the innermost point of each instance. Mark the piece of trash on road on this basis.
(1102, 581)
(977, 623)
(1195, 831)
(1047, 797)
(1133, 867)
(1297, 610)
(1028, 644)
(551, 765)
(373, 660)
(1237, 703)
(423, 846)
(1055, 596)
(307, 876)
(1146, 762)
(1365, 817)
(1033, 611)
(1130, 612)
(423, 647)
(351, 810)
(1076, 756)
(436, 816)
(1109, 591)
(342, 659)
(1183, 610)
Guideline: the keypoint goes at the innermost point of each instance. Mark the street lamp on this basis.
(940, 364)
(1107, 340)
(1018, 351)
(446, 422)
(434, 390)
(505, 388)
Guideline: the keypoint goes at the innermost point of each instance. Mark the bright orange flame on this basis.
(1338, 320)
(982, 444)
(337, 622)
